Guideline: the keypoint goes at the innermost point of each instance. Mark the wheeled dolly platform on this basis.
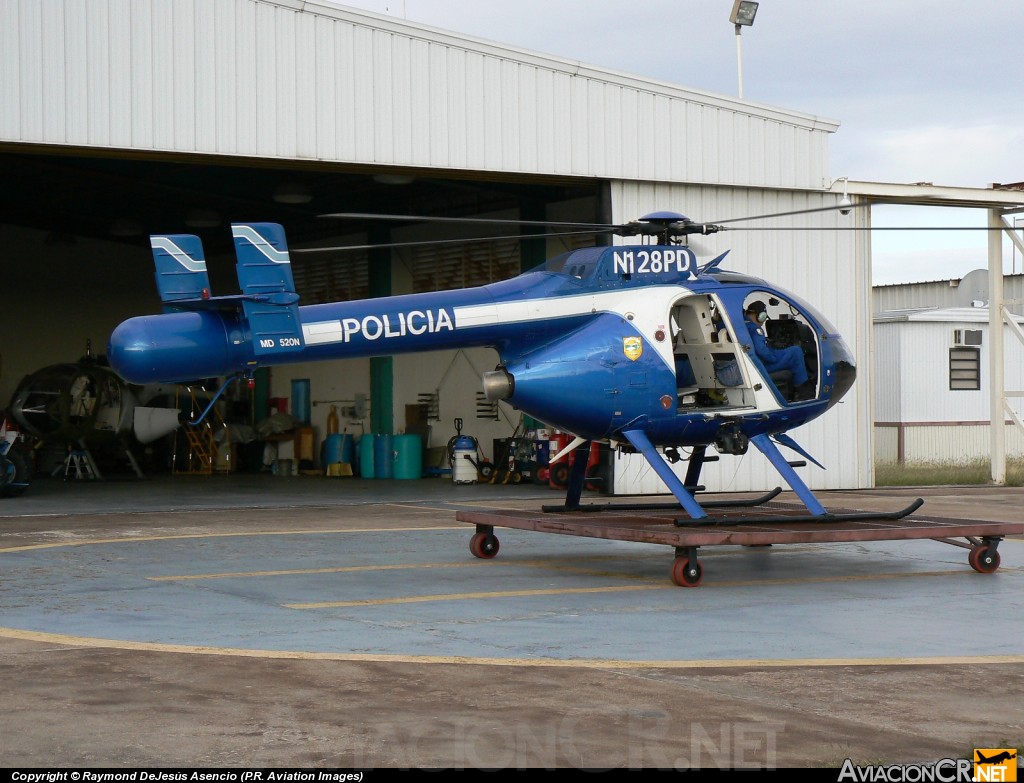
(743, 523)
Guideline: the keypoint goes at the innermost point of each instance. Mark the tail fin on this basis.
(268, 290)
(180, 268)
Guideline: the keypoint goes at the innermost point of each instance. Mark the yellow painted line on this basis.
(240, 534)
(452, 506)
(416, 599)
(304, 571)
(661, 584)
(586, 663)
(474, 563)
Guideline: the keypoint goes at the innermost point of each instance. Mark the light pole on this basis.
(743, 13)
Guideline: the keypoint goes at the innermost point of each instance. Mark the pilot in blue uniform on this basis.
(773, 359)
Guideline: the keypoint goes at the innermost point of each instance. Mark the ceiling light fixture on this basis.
(394, 179)
(292, 193)
(202, 218)
(125, 227)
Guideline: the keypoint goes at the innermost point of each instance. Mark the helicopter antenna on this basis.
(713, 264)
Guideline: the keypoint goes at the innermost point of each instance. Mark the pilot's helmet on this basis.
(759, 310)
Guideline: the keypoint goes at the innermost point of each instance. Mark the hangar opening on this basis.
(76, 234)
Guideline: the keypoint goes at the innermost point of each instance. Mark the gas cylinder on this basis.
(558, 475)
(332, 420)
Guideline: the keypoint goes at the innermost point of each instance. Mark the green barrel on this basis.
(366, 455)
(408, 457)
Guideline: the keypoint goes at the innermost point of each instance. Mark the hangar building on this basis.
(129, 117)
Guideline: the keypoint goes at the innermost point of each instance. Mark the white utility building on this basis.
(933, 405)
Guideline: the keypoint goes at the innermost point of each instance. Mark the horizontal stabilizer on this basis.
(268, 290)
(180, 269)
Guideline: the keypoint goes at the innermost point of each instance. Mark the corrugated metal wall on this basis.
(888, 352)
(957, 445)
(827, 268)
(310, 80)
(923, 365)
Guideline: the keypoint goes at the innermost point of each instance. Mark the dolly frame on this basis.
(738, 526)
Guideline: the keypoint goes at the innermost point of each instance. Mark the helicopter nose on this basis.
(845, 374)
(844, 370)
(171, 347)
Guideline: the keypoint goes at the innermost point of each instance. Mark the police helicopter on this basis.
(639, 346)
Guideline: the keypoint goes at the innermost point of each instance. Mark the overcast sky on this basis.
(924, 91)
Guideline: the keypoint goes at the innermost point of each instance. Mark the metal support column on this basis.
(996, 382)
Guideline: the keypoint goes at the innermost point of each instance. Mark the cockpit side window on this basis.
(784, 342)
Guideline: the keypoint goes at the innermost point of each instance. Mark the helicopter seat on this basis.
(783, 380)
(687, 396)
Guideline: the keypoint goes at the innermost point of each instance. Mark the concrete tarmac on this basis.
(256, 621)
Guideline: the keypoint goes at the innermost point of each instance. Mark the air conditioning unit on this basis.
(967, 337)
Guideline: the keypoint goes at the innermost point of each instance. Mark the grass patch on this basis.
(892, 474)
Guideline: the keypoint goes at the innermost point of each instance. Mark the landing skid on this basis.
(871, 516)
(596, 507)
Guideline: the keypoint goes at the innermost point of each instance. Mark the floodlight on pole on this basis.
(743, 13)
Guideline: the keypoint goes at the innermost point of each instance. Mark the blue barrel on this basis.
(383, 457)
(300, 400)
(366, 444)
(408, 457)
(348, 448)
(332, 449)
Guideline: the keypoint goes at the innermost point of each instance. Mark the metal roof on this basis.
(978, 315)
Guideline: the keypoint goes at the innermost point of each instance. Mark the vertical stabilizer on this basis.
(180, 268)
(268, 290)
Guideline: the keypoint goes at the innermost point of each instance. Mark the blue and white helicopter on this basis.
(634, 345)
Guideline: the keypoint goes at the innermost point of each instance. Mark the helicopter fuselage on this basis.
(597, 341)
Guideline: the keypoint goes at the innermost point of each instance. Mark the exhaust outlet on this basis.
(498, 384)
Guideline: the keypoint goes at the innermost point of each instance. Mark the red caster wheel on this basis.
(983, 559)
(484, 545)
(686, 575)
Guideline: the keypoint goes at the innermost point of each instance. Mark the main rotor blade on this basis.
(866, 228)
(425, 242)
(835, 208)
(597, 227)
